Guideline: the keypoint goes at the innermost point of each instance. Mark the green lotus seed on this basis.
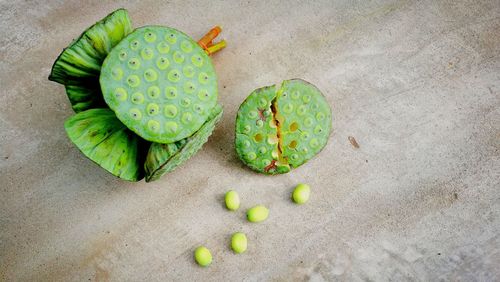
(257, 214)
(239, 242)
(232, 200)
(203, 256)
(301, 193)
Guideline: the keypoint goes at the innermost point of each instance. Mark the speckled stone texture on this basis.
(416, 83)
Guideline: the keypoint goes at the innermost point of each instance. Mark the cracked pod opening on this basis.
(163, 158)
(283, 129)
(79, 65)
(101, 137)
(160, 83)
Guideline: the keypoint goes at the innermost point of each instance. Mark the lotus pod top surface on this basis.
(160, 84)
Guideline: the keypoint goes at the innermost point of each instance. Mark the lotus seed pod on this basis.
(257, 214)
(239, 242)
(79, 65)
(203, 256)
(257, 133)
(232, 200)
(105, 140)
(160, 83)
(163, 158)
(301, 194)
(283, 129)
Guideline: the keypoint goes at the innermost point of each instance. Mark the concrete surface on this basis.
(417, 83)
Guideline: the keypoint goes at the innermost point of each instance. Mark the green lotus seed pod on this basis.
(257, 214)
(257, 134)
(79, 65)
(203, 256)
(301, 193)
(163, 158)
(239, 242)
(165, 76)
(232, 200)
(283, 129)
(105, 140)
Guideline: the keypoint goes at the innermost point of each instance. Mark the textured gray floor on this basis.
(417, 83)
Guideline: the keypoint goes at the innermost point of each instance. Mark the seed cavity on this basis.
(189, 87)
(171, 38)
(203, 95)
(153, 92)
(251, 156)
(153, 109)
(197, 60)
(171, 127)
(135, 44)
(170, 111)
(170, 92)
(163, 47)
(288, 108)
(320, 116)
(188, 71)
(121, 94)
(153, 126)
(185, 102)
(186, 46)
(203, 78)
(178, 57)
(187, 118)
(134, 63)
(122, 55)
(162, 63)
(135, 114)
(174, 75)
(150, 75)
(198, 109)
(150, 37)
(137, 98)
(133, 80)
(253, 114)
(147, 53)
(314, 143)
(301, 110)
(258, 137)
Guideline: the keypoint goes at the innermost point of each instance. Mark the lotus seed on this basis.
(203, 256)
(301, 193)
(257, 214)
(232, 200)
(239, 242)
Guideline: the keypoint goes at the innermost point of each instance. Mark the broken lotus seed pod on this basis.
(105, 140)
(79, 65)
(283, 129)
(160, 83)
(163, 158)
